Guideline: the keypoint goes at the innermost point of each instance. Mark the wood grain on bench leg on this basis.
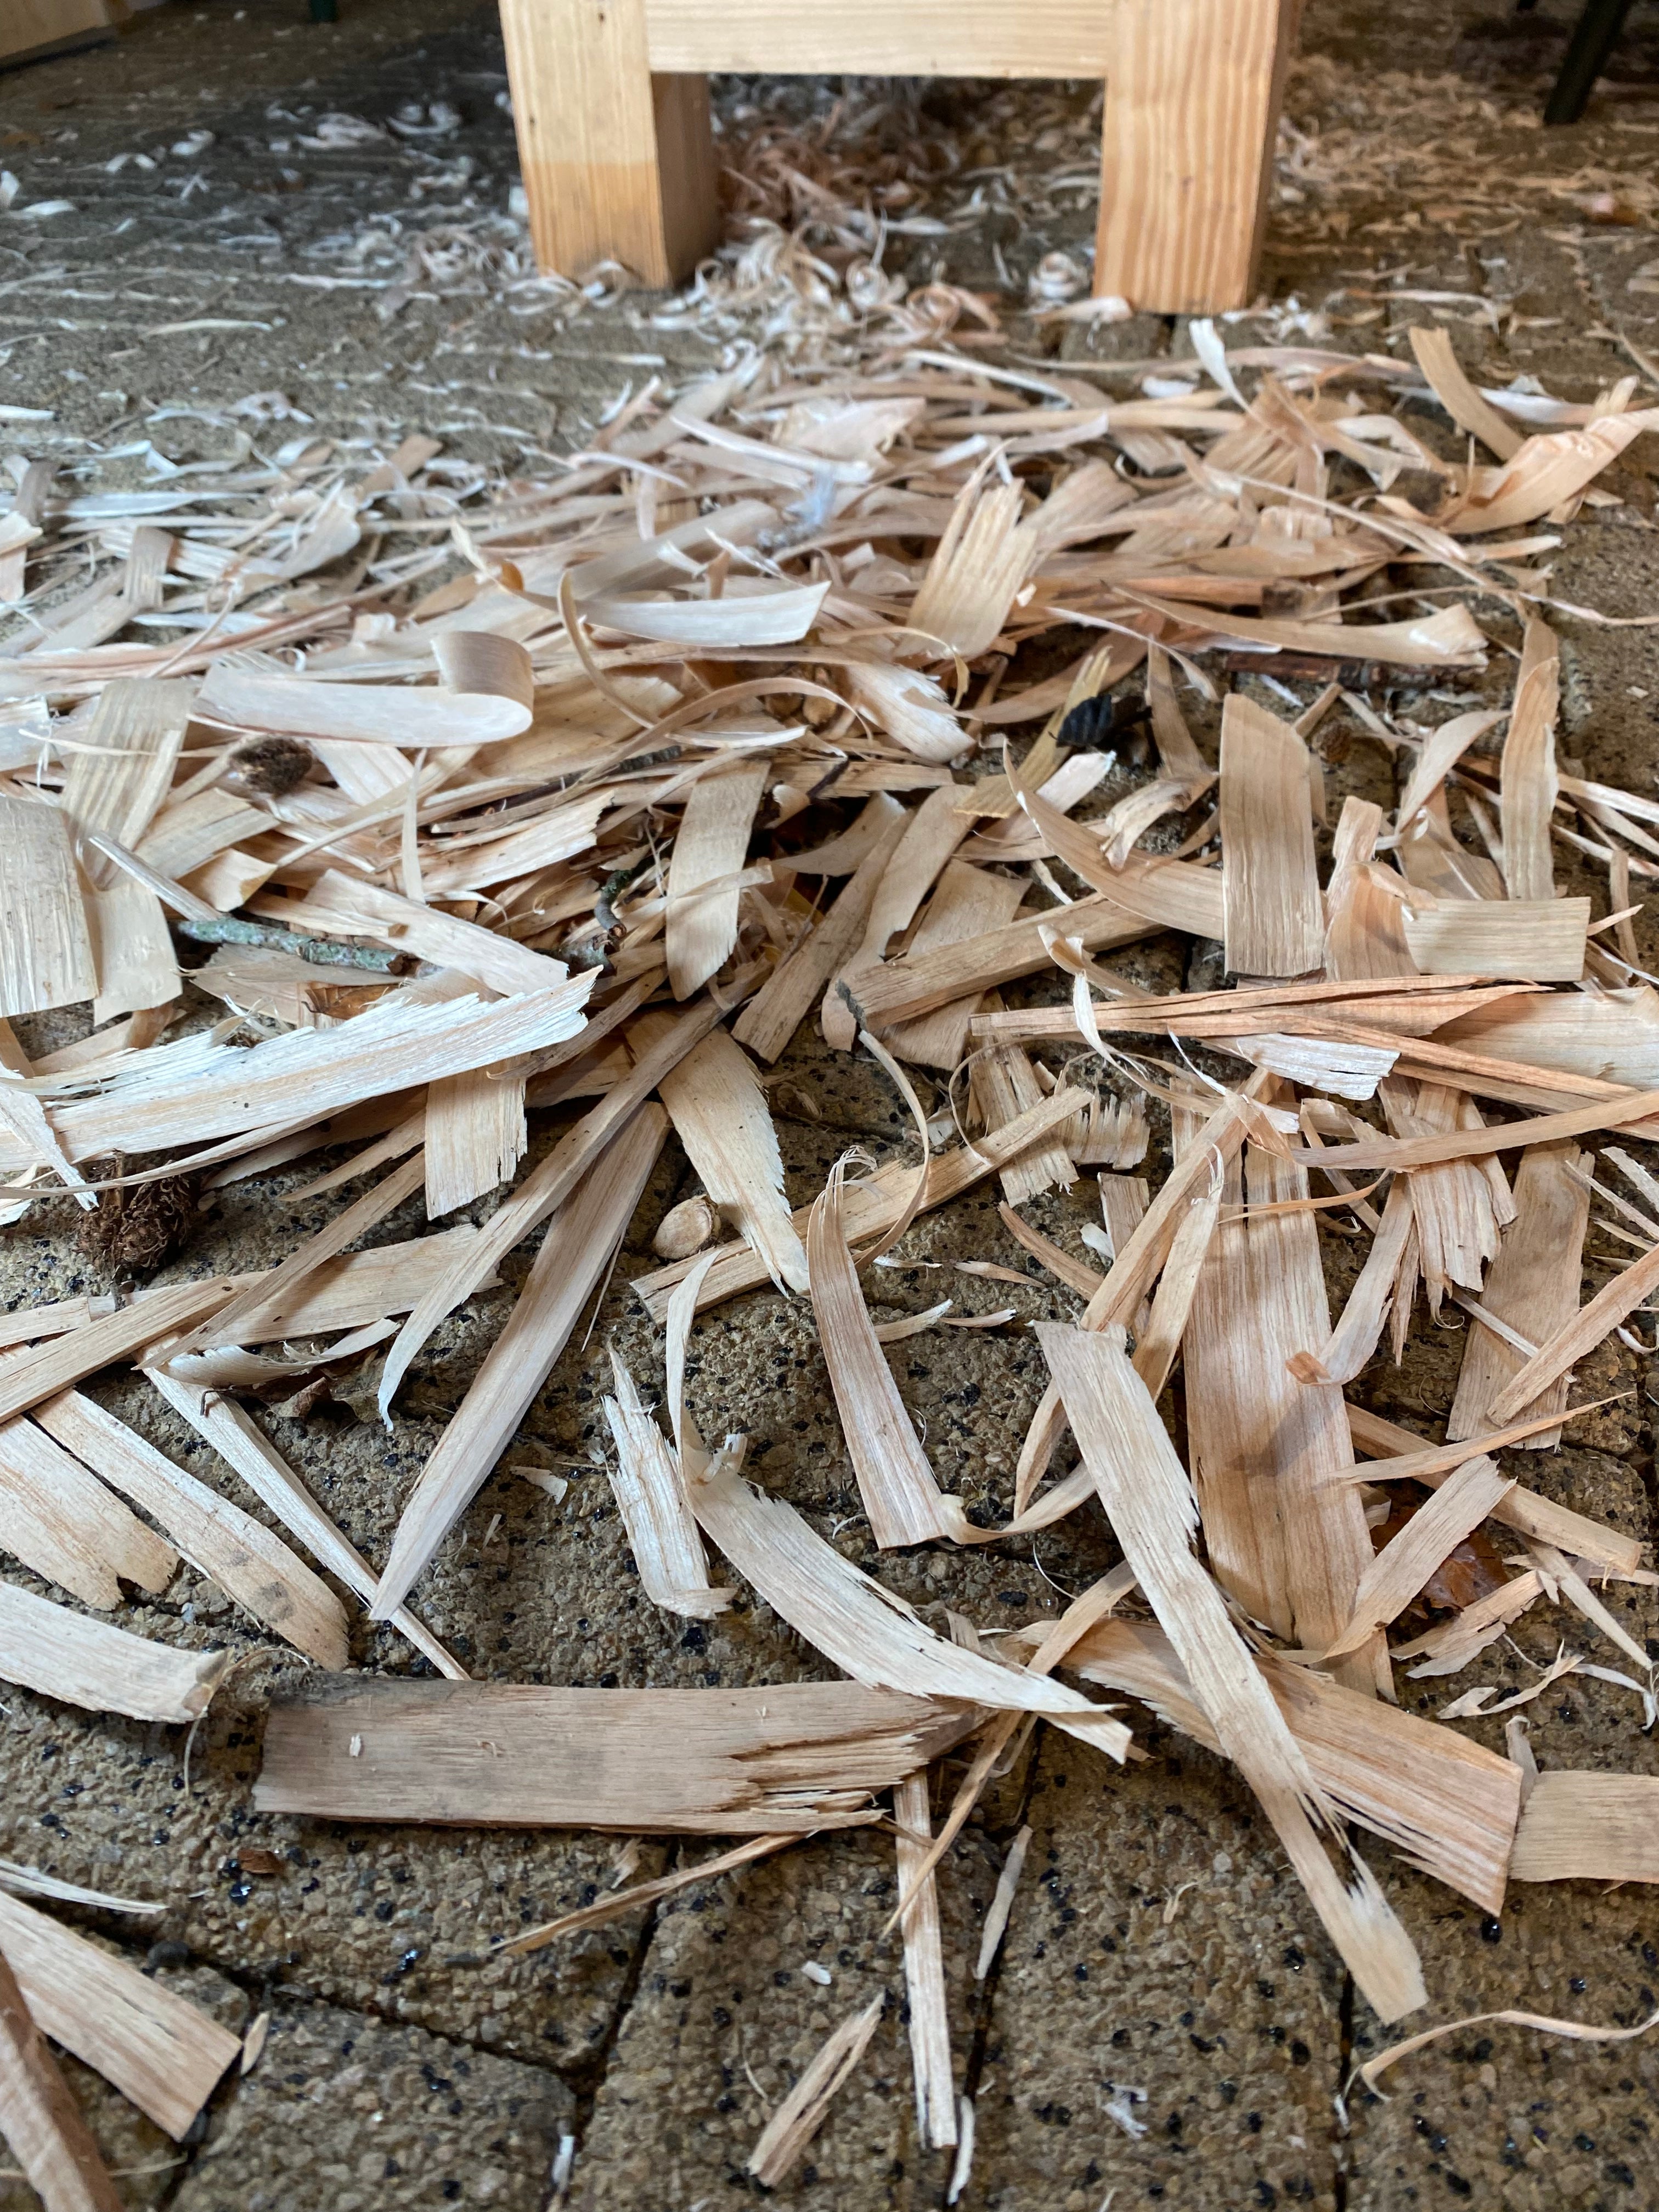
(688, 174)
(617, 165)
(1192, 109)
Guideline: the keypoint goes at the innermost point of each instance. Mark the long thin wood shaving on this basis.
(924, 1967)
(895, 1482)
(576, 1250)
(1146, 1493)
(1574, 2031)
(862, 1627)
(640, 1895)
(804, 2111)
(1556, 1357)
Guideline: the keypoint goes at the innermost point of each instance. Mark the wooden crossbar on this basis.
(882, 38)
(610, 102)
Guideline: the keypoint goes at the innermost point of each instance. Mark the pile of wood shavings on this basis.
(792, 699)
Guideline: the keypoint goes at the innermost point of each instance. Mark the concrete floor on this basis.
(1160, 1960)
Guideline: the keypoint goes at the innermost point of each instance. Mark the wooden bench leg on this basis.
(1192, 109)
(618, 165)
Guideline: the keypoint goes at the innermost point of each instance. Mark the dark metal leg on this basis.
(1587, 57)
(325, 11)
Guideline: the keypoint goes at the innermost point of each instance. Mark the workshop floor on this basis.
(199, 292)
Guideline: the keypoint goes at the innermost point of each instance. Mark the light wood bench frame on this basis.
(610, 102)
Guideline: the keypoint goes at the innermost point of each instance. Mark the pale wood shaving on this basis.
(779, 2146)
(1147, 1494)
(61, 1654)
(794, 1757)
(902, 1497)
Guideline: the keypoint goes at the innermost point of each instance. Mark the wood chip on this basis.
(164, 2055)
(64, 1655)
(1542, 943)
(39, 2117)
(794, 1757)
(642, 1895)
(804, 2111)
(895, 1482)
(1452, 388)
(1286, 1536)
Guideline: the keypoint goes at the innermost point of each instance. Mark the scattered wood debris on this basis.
(736, 723)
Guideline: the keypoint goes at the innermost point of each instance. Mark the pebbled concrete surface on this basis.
(1158, 1944)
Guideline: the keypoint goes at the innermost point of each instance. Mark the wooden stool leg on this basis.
(617, 165)
(1192, 108)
